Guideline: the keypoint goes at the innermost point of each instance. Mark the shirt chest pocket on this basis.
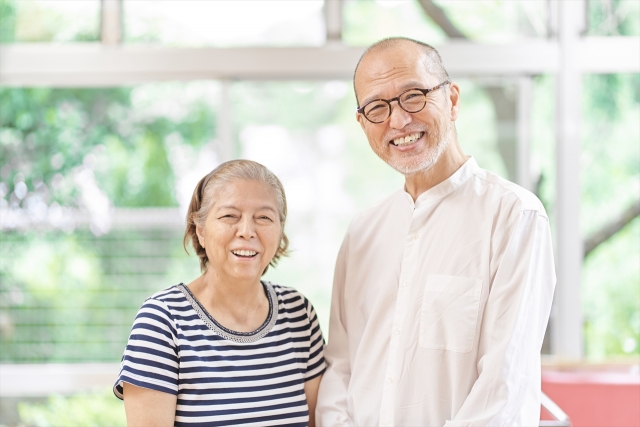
(449, 312)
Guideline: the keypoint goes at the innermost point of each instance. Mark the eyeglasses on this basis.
(411, 101)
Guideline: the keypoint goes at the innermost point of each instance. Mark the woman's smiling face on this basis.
(242, 231)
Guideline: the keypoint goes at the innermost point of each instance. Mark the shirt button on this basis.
(413, 236)
(390, 380)
(396, 332)
(404, 284)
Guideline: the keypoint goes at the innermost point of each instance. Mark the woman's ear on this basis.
(200, 234)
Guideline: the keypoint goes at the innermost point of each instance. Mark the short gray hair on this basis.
(204, 197)
(434, 64)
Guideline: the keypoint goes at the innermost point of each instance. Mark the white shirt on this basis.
(439, 308)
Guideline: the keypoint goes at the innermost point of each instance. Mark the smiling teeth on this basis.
(409, 139)
(244, 253)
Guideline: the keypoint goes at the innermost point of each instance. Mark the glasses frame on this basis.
(397, 98)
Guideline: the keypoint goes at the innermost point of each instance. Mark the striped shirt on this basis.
(223, 377)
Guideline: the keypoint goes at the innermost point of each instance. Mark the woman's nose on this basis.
(246, 228)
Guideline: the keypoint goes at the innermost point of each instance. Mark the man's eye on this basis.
(413, 96)
(265, 217)
(373, 108)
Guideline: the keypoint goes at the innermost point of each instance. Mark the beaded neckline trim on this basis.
(228, 334)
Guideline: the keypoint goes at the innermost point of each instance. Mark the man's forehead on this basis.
(379, 73)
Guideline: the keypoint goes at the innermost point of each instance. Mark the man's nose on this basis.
(398, 118)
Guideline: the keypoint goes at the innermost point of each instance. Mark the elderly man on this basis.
(442, 291)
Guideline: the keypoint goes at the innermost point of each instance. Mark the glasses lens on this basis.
(377, 111)
(413, 101)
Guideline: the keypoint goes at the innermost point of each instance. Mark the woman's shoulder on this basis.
(286, 292)
(290, 298)
(169, 294)
(170, 298)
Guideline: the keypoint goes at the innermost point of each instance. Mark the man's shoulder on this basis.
(511, 195)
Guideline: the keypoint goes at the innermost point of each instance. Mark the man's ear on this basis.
(360, 118)
(454, 97)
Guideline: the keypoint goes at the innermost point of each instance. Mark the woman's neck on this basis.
(241, 306)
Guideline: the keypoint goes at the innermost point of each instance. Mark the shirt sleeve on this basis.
(507, 391)
(331, 409)
(150, 359)
(316, 364)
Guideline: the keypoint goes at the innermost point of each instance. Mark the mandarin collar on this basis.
(446, 187)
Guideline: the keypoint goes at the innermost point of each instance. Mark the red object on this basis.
(595, 398)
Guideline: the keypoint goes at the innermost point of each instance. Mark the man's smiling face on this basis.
(408, 142)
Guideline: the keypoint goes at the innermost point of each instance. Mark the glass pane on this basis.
(49, 20)
(613, 18)
(79, 303)
(69, 158)
(498, 21)
(610, 186)
(225, 23)
(146, 147)
(543, 143)
(365, 22)
(488, 21)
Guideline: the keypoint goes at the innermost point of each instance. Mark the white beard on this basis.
(426, 160)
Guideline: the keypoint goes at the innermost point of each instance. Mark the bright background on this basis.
(94, 182)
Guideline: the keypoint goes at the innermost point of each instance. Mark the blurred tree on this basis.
(97, 409)
(49, 136)
(48, 21)
(7, 21)
(613, 17)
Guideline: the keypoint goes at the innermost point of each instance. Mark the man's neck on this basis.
(449, 162)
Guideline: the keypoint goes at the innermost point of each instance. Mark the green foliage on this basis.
(613, 17)
(97, 409)
(49, 21)
(46, 135)
(611, 300)
(495, 21)
(365, 22)
(52, 303)
(7, 21)
(610, 183)
(45, 132)
(611, 137)
(73, 298)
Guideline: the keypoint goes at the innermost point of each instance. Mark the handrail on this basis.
(560, 418)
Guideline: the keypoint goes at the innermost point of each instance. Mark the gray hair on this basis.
(204, 197)
(433, 62)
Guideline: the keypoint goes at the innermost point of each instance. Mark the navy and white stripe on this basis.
(221, 377)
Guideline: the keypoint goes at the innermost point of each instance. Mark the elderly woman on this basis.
(228, 348)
